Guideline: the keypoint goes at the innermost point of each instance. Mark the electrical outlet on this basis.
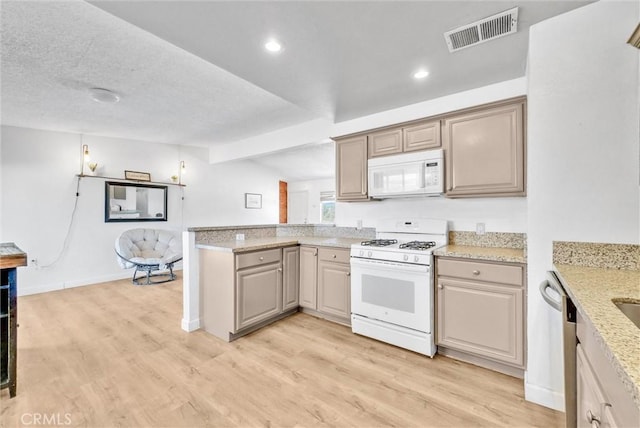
(359, 224)
(479, 228)
(239, 236)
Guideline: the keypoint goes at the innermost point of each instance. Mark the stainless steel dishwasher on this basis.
(563, 304)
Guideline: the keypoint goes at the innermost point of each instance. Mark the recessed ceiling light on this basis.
(273, 46)
(104, 95)
(420, 74)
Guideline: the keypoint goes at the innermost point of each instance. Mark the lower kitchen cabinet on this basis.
(308, 277)
(325, 283)
(480, 313)
(602, 399)
(290, 277)
(259, 294)
(591, 402)
(334, 289)
(241, 292)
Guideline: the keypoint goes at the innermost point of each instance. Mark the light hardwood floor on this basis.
(113, 354)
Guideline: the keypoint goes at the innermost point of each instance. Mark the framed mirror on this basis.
(134, 202)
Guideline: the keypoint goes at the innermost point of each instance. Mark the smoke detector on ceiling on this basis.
(492, 27)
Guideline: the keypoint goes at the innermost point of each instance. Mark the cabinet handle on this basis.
(440, 287)
(261, 258)
(333, 256)
(476, 272)
(279, 269)
(591, 419)
(348, 273)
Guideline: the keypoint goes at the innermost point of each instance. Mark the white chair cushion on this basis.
(148, 247)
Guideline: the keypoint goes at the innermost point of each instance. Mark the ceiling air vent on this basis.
(481, 31)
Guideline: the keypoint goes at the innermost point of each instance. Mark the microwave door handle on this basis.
(423, 172)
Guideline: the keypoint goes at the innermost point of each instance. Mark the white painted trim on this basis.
(543, 396)
(190, 283)
(73, 284)
(61, 286)
(190, 325)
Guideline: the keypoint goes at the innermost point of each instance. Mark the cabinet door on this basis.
(484, 152)
(308, 277)
(291, 277)
(422, 136)
(483, 319)
(334, 289)
(590, 398)
(258, 294)
(351, 169)
(386, 142)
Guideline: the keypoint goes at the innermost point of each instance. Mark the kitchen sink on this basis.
(630, 309)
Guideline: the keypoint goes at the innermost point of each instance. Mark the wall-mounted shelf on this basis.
(131, 181)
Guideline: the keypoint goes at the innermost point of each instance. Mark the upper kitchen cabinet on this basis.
(351, 169)
(421, 136)
(409, 137)
(485, 151)
(385, 142)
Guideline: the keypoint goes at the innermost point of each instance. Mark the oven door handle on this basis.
(383, 265)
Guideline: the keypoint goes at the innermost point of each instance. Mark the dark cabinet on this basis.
(10, 258)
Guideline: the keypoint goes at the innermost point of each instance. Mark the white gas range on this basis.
(392, 283)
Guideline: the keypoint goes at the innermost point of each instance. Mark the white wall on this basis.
(313, 187)
(498, 214)
(37, 173)
(583, 147)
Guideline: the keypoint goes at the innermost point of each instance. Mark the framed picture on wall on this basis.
(253, 200)
(137, 175)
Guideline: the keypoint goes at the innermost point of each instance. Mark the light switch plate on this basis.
(480, 228)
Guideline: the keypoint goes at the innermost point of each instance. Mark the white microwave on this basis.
(407, 175)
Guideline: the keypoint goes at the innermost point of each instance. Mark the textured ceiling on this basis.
(195, 72)
(52, 52)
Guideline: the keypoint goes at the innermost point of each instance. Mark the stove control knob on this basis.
(369, 254)
(361, 253)
(416, 259)
(406, 257)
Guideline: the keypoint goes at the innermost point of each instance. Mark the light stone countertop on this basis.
(510, 255)
(279, 241)
(591, 290)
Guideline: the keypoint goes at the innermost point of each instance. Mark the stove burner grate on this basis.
(418, 245)
(379, 242)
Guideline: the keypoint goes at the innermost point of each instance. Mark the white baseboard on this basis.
(190, 325)
(543, 396)
(26, 291)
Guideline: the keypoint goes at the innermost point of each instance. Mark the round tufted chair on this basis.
(149, 250)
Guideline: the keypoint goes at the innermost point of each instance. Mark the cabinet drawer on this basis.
(489, 272)
(338, 255)
(257, 258)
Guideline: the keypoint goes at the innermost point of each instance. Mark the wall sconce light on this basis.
(181, 172)
(84, 158)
